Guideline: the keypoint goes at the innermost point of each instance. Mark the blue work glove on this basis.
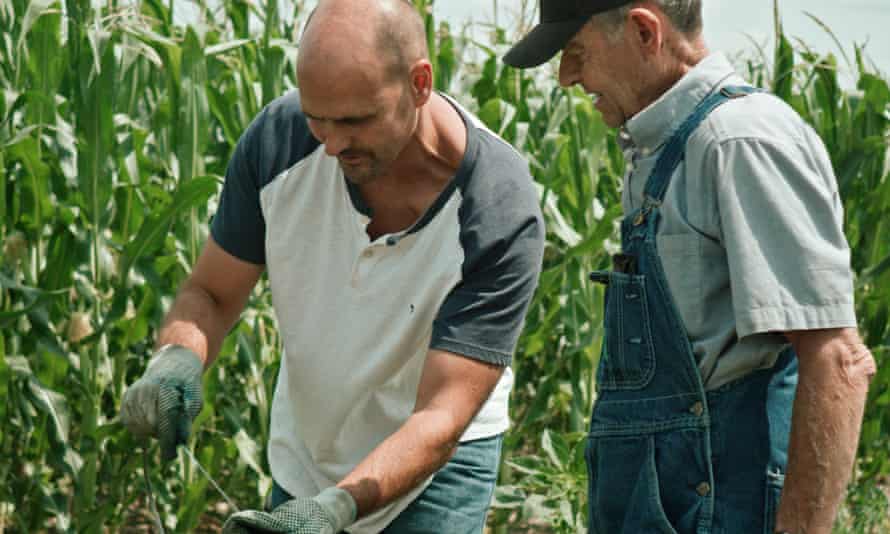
(165, 401)
(329, 512)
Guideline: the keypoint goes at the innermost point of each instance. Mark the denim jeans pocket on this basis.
(623, 492)
(628, 359)
(775, 481)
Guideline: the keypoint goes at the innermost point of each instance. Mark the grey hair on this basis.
(685, 15)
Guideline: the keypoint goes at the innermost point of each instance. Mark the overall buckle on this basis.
(649, 204)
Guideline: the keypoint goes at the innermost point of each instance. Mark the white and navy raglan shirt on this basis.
(357, 316)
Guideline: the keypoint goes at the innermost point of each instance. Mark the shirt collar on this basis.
(650, 128)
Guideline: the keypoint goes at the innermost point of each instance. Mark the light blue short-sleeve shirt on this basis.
(751, 235)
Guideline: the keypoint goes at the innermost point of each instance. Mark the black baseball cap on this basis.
(560, 21)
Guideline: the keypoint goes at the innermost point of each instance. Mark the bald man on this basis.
(402, 242)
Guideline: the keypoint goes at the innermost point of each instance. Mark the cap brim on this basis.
(542, 43)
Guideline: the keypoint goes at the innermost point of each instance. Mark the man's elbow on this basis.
(848, 369)
(858, 368)
(839, 352)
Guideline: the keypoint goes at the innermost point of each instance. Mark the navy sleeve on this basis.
(502, 234)
(238, 226)
(276, 140)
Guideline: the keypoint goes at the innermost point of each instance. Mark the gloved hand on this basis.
(165, 401)
(329, 512)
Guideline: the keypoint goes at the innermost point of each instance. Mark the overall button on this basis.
(697, 409)
(368, 253)
(703, 489)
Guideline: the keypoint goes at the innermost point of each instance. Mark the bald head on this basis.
(388, 34)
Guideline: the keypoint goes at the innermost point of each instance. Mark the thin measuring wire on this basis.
(210, 478)
(156, 517)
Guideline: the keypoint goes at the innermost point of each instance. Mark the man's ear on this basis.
(648, 30)
(421, 82)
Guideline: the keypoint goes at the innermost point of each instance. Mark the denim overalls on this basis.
(664, 455)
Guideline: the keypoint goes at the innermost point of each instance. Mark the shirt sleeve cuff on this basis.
(471, 351)
(790, 318)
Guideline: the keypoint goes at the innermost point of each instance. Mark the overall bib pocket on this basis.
(628, 360)
(623, 487)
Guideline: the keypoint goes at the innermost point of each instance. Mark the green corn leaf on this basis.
(555, 448)
(529, 465)
(37, 200)
(509, 497)
(151, 235)
(45, 65)
(222, 48)
(194, 112)
(249, 451)
(55, 406)
(877, 92)
(64, 254)
(95, 134)
(3, 200)
(783, 60)
(33, 296)
(36, 9)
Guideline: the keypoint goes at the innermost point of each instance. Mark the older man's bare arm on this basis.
(835, 370)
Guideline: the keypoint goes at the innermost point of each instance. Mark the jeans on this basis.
(457, 499)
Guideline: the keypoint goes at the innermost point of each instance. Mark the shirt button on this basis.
(703, 489)
(697, 409)
(368, 253)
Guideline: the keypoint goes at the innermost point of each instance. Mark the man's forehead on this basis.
(337, 108)
(330, 102)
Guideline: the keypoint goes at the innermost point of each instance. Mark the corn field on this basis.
(116, 123)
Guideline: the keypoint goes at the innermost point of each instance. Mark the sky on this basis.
(734, 27)
(731, 26)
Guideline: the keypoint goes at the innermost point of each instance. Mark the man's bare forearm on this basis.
(405, 459)
(835, 370)
(197, 322)
(452, 390)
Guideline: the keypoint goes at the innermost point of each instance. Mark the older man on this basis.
(402, 242)
(734, 272)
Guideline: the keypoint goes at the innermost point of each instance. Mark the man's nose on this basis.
(333, 140)
(328, 135)
(334, 144)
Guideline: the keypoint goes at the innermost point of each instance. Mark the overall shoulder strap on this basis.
(675, 147)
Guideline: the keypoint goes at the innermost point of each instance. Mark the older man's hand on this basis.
(329, 512)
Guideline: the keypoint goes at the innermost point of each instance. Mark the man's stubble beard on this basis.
(363, 177)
